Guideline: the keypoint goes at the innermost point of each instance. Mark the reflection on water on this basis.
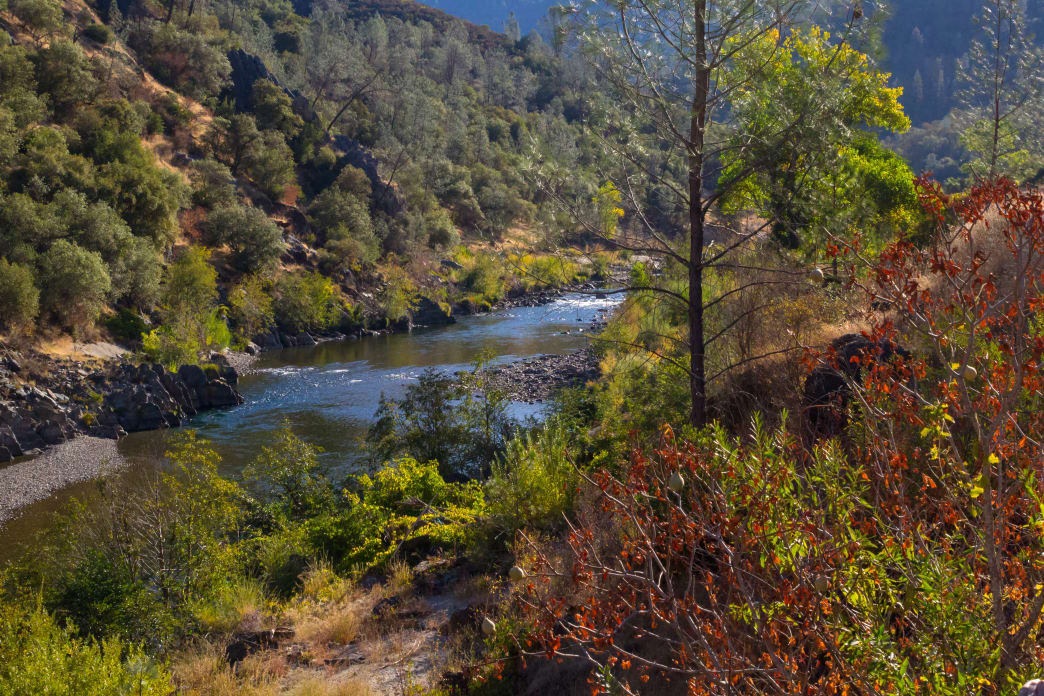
(329, 392)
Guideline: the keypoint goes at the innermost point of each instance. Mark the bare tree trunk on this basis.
(697, 135)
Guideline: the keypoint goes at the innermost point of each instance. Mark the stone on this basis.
(305, 339)
(52, 433)
(220, 394)
(428, 313)
(1034, 687)
(193, 376)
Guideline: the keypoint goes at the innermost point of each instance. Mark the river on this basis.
(329, 392)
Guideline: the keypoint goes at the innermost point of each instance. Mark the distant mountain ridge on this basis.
(411, 11)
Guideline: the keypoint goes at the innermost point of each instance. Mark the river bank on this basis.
(329, 393)
(33, 480)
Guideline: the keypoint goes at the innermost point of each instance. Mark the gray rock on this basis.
(193, 376)
(220, 394)
(305, 339)
(1034, 687)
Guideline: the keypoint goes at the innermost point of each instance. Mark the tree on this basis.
(274, 110)
(1002, 86)
(803, 187)
(184, 59)
(74, 284)
(250, 307)
(62, 71)
(214, 185)
(192, 321)
(270, 164)
(234, 140)
(41, 17)
(19, 298)
(669, 63)
(512, 29)
(255, 241)
(304, 301)
(145, 196)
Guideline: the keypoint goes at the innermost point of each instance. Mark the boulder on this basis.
(193, 376)
(826, 390)
(220, 394)
(268, 341)
(305, 339)
(10, 443)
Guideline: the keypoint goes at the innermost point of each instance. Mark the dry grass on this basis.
(400, 578)
(337, 623)
(204, 671)
(317, 685)
(321, 584)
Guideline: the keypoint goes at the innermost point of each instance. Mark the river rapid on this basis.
(328, 393)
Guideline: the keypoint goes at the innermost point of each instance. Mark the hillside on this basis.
(312, 160)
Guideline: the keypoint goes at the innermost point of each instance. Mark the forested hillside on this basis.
(347, 148)
(784, 435)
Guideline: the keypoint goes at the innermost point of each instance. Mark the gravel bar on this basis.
(30, 481)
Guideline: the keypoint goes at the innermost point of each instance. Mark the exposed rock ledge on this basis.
(40, 411)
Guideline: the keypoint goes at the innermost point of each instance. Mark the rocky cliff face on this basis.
(41, 410)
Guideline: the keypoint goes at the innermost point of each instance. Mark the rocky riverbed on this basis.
(45, 402)
(537, 379)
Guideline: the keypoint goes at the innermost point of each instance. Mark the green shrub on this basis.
(399, 295)
(270, 164)
(98, 33)
(37, 656)
(288, 472)
(74, 284)
(126, 326)
(19, 298)
(255, 241)
(224, 608)
(250, 307)
(213, 184)
(42, 17)
(406, 500)
(484, 276)
(102, 598)
(192, 321)
(534, 483)
(304, 301)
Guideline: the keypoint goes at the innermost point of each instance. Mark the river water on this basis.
(328, 393)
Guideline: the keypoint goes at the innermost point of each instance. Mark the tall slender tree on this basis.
(671, 66)
(1003, 86)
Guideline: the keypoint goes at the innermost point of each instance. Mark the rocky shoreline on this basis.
(536, 380)
(53, 401)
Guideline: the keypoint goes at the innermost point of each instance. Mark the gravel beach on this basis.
(71, 462)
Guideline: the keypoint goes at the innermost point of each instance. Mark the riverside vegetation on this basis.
(810, 462)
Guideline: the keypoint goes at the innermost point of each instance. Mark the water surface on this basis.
(328, 393)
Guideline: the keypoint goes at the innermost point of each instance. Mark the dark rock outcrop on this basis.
(248, 69)
(428, 313)
(110, 402)
(827, 388)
